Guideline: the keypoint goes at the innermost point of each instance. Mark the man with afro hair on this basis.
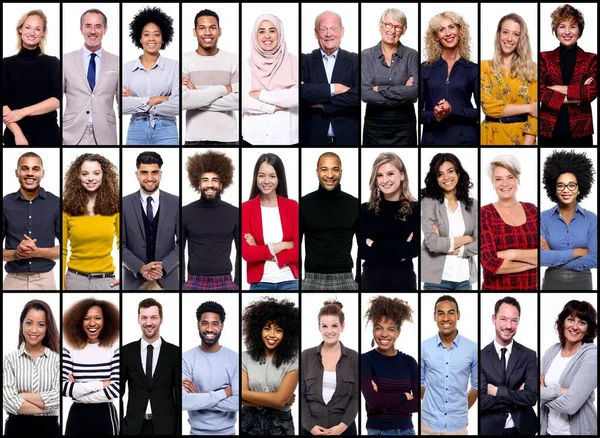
(211, 225)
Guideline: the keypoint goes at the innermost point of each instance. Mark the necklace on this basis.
(514, 223)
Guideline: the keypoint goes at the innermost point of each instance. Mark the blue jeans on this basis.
(141, 132)
(284, 285)
(391, 432)
(448, 285)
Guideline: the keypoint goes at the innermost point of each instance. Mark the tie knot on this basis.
(149, 200)
(150, 347)
(503, 350)
(93, 55)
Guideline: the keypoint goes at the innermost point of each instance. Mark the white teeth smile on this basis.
(271, 342)
(92, 330)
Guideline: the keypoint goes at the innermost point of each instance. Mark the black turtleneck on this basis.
(567, 58)
(210, 226)
(329, 219)
(29, 78)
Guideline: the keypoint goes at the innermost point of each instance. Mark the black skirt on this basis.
(31, 426)
(98, 419)
(390, 125)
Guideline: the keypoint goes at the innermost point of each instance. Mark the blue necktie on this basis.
(149, 211)
(92, 71)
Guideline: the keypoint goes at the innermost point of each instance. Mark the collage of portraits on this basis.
(356, 205)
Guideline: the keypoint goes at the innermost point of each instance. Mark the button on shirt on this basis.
(445, 375)
(155, 201)
(509, 421)
(39, 219)
(144, 351)
(86, 65)
(329, 64)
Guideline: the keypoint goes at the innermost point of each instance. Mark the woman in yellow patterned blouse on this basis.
(509, 87)
(90, 223)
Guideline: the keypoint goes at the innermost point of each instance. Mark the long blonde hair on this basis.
(21, 22)
(433, 47)
(521, 65)
(405, 196)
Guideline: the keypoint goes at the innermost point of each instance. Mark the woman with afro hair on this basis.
(151, 82)
(271, 330)
(449, 217)
(90, 223)
(569, 232)
(90, 372)
(389, 379)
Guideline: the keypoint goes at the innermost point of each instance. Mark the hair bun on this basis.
(334, 302)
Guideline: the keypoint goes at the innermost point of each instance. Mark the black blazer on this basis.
(164, 391)
(341, 110)
(521, 368)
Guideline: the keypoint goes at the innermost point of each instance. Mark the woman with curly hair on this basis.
(329, 384)
(448, 81)
(270, 229)
(569, 232)
(449, 220)
(90, 375)
(271, 331)
(31, 375)
(568, 84)
(509, 87)
(389, 379)
(151, 82)
(389, 234)
(90, 223)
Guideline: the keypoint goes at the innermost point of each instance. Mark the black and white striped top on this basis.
(23, 374)
(90, 366)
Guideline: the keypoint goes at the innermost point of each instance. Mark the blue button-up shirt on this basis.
(445, 376)
(581, 232)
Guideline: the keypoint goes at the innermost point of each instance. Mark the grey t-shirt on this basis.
(266, 377)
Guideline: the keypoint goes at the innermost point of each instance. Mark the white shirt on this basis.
(329, 384)
(144, 352)
(155, 201)
(558, 423)
(329, 64)
(273, 233)
(456, 267)
(86, 66)
(509, 421)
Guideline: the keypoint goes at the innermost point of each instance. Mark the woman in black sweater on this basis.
(31, 87)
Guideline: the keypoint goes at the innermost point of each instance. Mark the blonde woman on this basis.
(509, 87)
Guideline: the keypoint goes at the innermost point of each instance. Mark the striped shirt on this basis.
(90, 366)
(24, 374)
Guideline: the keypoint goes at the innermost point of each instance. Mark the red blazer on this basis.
(580, 116)
(256, 256)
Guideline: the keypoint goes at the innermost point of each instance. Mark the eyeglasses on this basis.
(388, 26)
(571, 186)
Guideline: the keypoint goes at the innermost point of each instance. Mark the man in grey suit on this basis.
(91, 85)
(150, 231)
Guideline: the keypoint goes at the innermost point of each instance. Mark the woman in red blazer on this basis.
(270, 229)
(568, 83)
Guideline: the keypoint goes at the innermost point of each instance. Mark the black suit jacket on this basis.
(521, 368)
(341, 110)
(164, 391)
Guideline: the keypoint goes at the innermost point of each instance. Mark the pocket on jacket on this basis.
(347, 384)
(111, 118)
(68, 118)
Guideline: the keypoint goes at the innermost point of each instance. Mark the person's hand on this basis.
(250, 239)
(533, 109)
(13, 116)
(542, 379)
(522, 387)
(580, 252)
(229, 89)
(492, 390)
(588, 81)
(507, 254)
(338, 429)
(340, 88)
(27, 248)
(410, 237)
(106, 383)
(436, 230)
(228, 391)
(409, 396)
(291, 400)
(544, 244)
(188, 84)
(189, 386)
(376, 88)
(127, 92)
(70, 378)
(254, 94)
(318, 430)
(369, 242)
(442, 110)
(317, 105)
(21, 140)
(410, 82)
(563, 391)
(152, 271)
(155, 100)
(374, 386)
(115, 283)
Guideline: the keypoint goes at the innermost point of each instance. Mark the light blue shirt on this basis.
(445, 375)
(329, 64)
(582, 232)
(86, 66)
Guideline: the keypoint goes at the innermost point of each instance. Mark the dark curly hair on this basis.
(210, 161)
(212, 307)
(51, 337)
(394, 309)
(151, 15)
(285, 315)
(75, 198)
(582, 310)
(577, 163)
(73, 323)
(432, 188)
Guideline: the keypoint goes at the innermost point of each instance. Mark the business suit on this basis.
(163, 391)
(521, 368)
(133, 240)
(341, 110)
(81, 100)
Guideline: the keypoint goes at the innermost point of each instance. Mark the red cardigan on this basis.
(580, 116)
(256, 256)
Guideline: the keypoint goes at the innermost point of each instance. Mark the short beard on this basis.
(203, 195)
(209, 342)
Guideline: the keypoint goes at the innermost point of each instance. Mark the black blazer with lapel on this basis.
(521, 368)
(163, 391)
(341, 110)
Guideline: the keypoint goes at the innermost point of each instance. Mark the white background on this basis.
(550, 308)
(348, 182)
(370, 34)
(286, 12)
(68, 299)
(467, 327)
(12, 305)
(289, 157)
(229, 21)
(407, 341)
(468, 159)
(589, 203)
(50, 182)
(247, 298)
(349, 14)
(112, 154)
(588, 42)
(131, 52)
(72, 38)
(231, 195)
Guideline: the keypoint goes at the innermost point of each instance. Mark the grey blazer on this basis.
(434, 248)
(133, 241)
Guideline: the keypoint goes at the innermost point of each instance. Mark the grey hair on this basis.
(398, 15)
(318, 19)
(509, 162)
(93, 11)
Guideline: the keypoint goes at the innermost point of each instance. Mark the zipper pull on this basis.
(447, 80)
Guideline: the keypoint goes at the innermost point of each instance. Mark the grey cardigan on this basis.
(581, 378)
(434, 248)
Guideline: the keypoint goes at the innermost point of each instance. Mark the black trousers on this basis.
(381, 279)
(147, 428)
(32, 426)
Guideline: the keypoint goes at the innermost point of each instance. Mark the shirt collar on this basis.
(578, 209)
(160, 63)
(497, 346)
(333, 55)
(342, 346)
(22, 350)
(156, 344)
(399, 50)
(441, 61)
(456, 340)
(87, 52)
(41, 194)
(155, 196)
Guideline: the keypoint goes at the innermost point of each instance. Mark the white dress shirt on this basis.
(144, 352)
(456, 267)
(509, 421)
(155, 201)
(329, 64)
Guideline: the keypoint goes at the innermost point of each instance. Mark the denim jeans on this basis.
(448, 285)
(141, 132)
(284, 285)
(391, 432)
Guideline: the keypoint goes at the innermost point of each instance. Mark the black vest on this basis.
(150, 229)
